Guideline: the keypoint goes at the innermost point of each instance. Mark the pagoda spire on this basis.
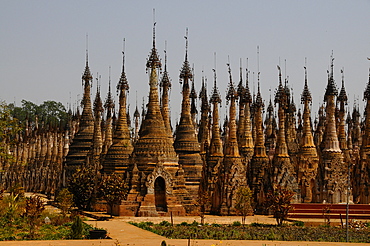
(333, 168)
(186, 142)
(233, 171)
(258, 170)
(82, 141)
(215, 155)
(307, 155)
(342, 100)
(216, 143)
(241, 95)
(193, 106)
(203, 135)
(331, 138)
(246, 140)
(97, 138)
(282, 168)
(116, 159)
(165, 84)
(154, 139)
(109, 108)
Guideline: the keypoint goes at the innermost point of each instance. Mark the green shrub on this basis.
(194, 223)
(298, 223)
(184, 223)
(236, 223)
(77, 228)
(165, 223)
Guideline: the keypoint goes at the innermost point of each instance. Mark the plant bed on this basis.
(257, 231)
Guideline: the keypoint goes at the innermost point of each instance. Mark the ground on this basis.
(123, 233)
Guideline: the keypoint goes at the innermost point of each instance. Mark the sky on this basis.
(43, 46)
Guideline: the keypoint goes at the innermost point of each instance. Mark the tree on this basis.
(49, 112)
(112, 189)
(64, 201)
(82, 185)
(279, 201)
(33, 210)
(9, 128)
(243, 204)
(77, 228)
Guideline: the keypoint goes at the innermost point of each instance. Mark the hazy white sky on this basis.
(42, 45)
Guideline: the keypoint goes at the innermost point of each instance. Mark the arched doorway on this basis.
(160, 194)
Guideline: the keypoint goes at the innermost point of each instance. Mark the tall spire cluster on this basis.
(172, 169)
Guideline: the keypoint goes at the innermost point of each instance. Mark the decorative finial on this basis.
(258, 58)
(231, 91)
(306, 95)
(165, 55)
(186, 44)
(154, 23)
(87, 50)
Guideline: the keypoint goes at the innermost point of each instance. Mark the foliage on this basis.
(279, 201)
(9, 128)
(236, 223)
(165, 223)
(49, 112)
(77, 228)
(64, 201)
(243, 202)
(20, 217)
(82, 185)
(260, 232)
(112, 189)
(33, 209)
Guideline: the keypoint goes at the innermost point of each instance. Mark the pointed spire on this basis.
(259, 101)
(186, 71)
(98, 105)
(165, 81)
(123, 83)
(306, 94)
(342, 95)
(331, 88)
(231, 90)
(165, 84)
(86, 77)
(153, 60)
(241, 89)
(247, 96)
(367, 90)
(216, 95)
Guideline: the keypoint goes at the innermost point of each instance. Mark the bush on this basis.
(236, 223)
(76, 228)
(298, 223)
(165, 223)
(64, 201)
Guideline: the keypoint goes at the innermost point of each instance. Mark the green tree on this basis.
(33, 210)
(50, 112)
(9, 128)
(112, 189)
(64, 200)
(243, 202)
(279, 201)
(77, 228)
(83, 187)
